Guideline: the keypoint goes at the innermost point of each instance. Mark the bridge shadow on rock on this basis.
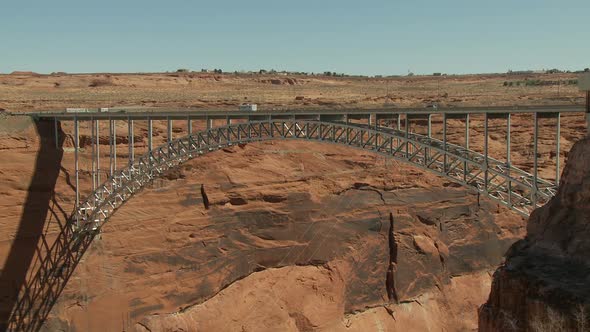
(35, 273)
(33, 219)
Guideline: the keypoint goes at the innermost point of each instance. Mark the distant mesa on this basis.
(24, 73)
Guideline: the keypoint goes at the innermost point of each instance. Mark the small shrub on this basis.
(97, 82)
(555, 321)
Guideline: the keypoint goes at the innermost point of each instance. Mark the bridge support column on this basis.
(115, 145)
(249, 124)
(558, 148)
(407, 136)
(271, 126)
(508, 159)
(465, 164)
(535, 164)
(429, 133)
(189, 125)
(347, 129)
(485, 148)
(56, 133)
(93, 142)
(150, 133)
(130, 139)
(169, 129)
(508, 124)
(399, 128)
(445, 159)
(111, 145)
(97, 124)
(76, 166)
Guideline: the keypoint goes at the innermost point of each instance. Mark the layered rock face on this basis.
(544, 284)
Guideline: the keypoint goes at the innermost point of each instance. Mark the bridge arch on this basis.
(507, 184)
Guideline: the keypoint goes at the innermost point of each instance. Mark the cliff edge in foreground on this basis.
(544, 284)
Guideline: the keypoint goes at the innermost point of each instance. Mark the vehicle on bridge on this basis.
(249, 107)
(87, 110)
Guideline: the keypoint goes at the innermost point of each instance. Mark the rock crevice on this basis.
(390, 280)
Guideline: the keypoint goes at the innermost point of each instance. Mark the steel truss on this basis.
(505, 183)
(513, 187)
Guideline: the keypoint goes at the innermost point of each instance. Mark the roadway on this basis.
(203, 114)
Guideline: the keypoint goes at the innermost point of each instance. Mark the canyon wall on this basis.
(544, 284)
(297, 236)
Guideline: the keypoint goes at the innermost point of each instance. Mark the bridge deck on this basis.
(200, 114)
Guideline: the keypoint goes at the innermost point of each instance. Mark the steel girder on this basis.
(509, 185)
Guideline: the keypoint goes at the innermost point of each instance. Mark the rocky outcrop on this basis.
(544, 284)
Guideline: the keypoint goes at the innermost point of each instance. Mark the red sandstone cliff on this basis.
(544, 284)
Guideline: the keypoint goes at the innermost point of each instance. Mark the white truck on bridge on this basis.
(249, 107)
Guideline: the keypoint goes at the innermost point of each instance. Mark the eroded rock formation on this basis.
(544, 284)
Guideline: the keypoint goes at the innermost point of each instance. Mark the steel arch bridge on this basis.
(507, 184)
(521, 191)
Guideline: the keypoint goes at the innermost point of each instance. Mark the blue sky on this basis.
(358, 37)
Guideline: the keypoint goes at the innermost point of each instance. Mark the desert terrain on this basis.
(298, 236)
(22, 91)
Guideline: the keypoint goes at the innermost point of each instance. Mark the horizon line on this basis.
(294, 72)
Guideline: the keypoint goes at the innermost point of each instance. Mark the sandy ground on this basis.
(209, 91)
